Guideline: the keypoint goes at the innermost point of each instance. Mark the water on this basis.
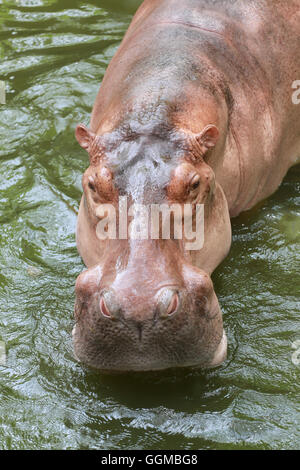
(53, 56)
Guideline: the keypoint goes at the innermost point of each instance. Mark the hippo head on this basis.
(147, 302)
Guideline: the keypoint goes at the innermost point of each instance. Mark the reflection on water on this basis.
(53, 56)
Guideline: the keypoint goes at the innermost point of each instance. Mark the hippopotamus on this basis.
(195, 108)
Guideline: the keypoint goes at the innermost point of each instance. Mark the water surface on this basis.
(53, 55)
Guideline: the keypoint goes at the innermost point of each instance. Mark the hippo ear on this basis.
(207, 138)
(84, 136)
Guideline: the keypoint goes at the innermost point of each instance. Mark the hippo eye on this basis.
(195, 183)
(91, 184)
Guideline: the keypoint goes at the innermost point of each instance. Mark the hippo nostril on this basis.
(168, 302)
(109, 306)
(103, 308)
(173, 304)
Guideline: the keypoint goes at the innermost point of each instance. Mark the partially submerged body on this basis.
(195, 108)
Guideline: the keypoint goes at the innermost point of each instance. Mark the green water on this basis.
(53, 56)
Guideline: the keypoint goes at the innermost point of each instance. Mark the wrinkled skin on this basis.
(195, 107)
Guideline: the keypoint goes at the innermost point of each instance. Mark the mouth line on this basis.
(218, 358)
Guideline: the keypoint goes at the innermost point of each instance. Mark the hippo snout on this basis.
(126, 327)
(165, 304)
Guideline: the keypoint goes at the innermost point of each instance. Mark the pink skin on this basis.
(150, 305)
